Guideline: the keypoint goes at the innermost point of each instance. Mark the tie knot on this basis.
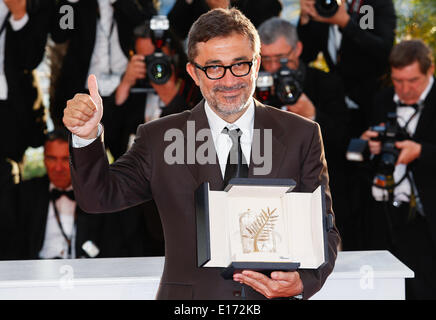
(234, 134)
(57, 193)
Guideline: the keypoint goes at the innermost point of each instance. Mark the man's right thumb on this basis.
(93, 88)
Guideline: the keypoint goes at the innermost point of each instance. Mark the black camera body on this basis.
(388, 135)
(159, 68)
(327, 8)
(288, 85)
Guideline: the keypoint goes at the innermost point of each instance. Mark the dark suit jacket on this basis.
(33, 202)
(142, 173)
(72, 79)
(23, 52)
(423, 167)
(117, 235)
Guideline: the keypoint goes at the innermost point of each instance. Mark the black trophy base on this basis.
(262, 267)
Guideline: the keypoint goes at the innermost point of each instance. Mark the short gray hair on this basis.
(274, 28)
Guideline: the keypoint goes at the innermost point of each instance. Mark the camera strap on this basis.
(354, 7)
(108, 36)
(3, 25)
(58, 220)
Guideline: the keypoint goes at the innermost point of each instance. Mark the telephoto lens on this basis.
(327, 8)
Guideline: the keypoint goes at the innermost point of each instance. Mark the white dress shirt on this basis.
(16, 25)
(55, 244)
(222, 141)
(403, 191)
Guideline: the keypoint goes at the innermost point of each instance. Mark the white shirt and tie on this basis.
(54, 244)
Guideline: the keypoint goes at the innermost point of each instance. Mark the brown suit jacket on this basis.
(142, 174)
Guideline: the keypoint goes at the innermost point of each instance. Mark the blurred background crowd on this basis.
(362, 69)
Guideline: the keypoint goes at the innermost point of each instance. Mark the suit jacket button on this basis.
(237, 293)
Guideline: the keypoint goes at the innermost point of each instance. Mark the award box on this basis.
(260, 224)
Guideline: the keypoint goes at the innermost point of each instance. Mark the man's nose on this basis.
(59, 166)
(229, 79)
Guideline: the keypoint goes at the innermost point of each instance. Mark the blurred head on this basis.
(56, 158)
(412, 66)
(224, 37)
(143, 42)
(279, 39)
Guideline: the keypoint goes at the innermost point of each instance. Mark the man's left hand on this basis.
(281, 284)
(303, 107)
(410, 151)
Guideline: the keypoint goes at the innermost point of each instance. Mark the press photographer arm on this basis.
(136, 70)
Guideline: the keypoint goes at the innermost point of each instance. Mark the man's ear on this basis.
(299, 49)
(258, 62)
(191, 69)
(431, 70)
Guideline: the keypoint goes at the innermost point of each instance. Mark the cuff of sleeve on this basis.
(18, 24)
(78, 142)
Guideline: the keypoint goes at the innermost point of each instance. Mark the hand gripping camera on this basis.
(288, 85)
(387, 135)
(327, 8)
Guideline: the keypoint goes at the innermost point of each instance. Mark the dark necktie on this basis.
(56, 194)
(236, 164)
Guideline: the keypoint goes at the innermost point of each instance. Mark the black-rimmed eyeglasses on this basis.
(215, 72)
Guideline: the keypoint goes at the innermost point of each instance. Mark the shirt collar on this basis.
(245, 122)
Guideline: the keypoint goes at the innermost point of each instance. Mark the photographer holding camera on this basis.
(155, 83)
(402, 216)
(355, 37)
(99, 43)
(310, 93)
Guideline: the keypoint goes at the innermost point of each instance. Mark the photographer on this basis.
(99, 43)
(321, 100)
(355, 40)
(163, 87)
(23, 35)
(402, 216)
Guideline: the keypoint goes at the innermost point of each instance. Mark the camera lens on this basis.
(327, 8)
(158, 68)
(158, 71)
(288, 90)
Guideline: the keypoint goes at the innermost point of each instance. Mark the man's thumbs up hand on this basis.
(84, 112)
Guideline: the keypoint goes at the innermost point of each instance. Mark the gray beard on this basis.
(227, 112)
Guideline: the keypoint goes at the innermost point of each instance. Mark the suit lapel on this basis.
(262, 121)
(426, 118)
(201, 172)
(41, 220)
